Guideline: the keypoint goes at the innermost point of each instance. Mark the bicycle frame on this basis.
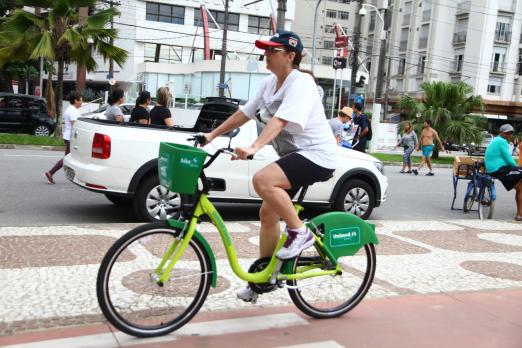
(205, 207)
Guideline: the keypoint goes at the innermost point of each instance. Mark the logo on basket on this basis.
(189, 162)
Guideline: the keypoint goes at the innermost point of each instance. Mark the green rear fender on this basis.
(344, 233)
(199, 237)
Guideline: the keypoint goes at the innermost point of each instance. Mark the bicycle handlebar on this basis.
(200, 139)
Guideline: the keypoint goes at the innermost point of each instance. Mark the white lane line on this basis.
(323, 344)
(209, 328)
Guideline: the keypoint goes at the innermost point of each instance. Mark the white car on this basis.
(120, 161)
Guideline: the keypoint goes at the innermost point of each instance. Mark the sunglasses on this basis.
(274, 49)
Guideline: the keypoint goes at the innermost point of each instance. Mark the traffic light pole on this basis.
(355, 52)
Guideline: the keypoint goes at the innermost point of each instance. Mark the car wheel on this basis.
(356, 197)
(119, 200)
(154, 202)
(42, 130)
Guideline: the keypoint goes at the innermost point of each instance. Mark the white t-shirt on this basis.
(69, 116)
(298, 102)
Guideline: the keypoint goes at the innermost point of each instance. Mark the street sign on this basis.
(339, 63)
(341, 41)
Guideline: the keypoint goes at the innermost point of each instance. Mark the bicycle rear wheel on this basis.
(469, 199)
(486, 203)
(129, 297)
(332, 296)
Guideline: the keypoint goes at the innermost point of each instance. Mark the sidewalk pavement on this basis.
(438, 284)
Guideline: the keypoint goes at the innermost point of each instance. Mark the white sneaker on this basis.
(246, 294)
(295, 243)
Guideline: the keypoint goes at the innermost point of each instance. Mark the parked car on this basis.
(21, 113)
(120, 161)
(99, 114)
(480, 149)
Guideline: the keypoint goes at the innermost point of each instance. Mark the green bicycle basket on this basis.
(179, 167)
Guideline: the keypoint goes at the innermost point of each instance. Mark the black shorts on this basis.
(300, 171)
(508, 176)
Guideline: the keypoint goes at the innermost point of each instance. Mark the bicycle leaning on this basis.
(156, 277)
(481, 189)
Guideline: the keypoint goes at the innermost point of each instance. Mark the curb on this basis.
(32, 147)
(434, 165)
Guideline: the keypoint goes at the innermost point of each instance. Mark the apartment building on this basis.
(478, 42)
(165, 43)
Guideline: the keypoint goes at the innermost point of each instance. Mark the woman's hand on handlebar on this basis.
(208, 138)
(244, 153)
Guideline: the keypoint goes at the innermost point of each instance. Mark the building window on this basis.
(503, 32)
(328, 29)
(327, 60)
(331, 13)
(160, 53)
(402, 66)
(459, 59)
(233, 20)
(165, 13)
(494, 86)
(344, 15)
(328, 44)
(422, 65)
(423, 36)
(259, 25)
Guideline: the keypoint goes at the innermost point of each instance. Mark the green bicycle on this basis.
(156, 277)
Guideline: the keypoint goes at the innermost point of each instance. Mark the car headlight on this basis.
(379, 166)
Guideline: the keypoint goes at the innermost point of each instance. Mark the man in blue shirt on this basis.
(362, 123)
(502, 166)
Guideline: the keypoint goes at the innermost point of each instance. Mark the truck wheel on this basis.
(356, 197)
(119, 200)
(154, 202)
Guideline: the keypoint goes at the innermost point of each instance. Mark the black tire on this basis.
(469, 200)
(154, 202)
(351, 286)
(355, 197)
(486, 206)
(165, 308)
(42, 130)
(119, 200)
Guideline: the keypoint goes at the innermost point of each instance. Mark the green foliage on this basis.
(448, 106)
(90, 94)
(24, 139)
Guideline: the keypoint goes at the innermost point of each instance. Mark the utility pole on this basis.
(223, 53)
(385, 113)
(355, 52)
(314, 35)
(281, 9)
(382, 57)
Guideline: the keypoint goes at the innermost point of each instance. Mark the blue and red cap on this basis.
(285, 38)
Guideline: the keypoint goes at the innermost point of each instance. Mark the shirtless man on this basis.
(426, 143)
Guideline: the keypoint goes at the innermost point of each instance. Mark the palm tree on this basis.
(58, 37)
(449, 107)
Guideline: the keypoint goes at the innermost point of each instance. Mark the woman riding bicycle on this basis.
(290, 109)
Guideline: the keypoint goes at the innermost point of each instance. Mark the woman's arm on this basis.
(169, 121)
(272, 129)
(237, 119)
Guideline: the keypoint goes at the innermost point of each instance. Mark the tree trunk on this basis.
(49, 95)
(435, 152)
(81, 71)
(59, 97)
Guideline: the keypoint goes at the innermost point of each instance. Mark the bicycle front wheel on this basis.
(130, 297)
(331, 296)
(469, 199)
(486, 203)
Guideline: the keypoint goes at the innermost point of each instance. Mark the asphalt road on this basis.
(26, 199)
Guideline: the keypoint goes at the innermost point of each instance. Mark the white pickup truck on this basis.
(120, 161)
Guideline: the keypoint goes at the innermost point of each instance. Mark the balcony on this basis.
(498, 67)
(406, 19)
(459, 38)
(423, 43)
(503, 36)
(463, 7)
(426, 15)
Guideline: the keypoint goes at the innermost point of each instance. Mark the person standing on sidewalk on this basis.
(362, 123)
(69, 117)
(501, 165)
(409, 142)
(428, 135)
(337, 124)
